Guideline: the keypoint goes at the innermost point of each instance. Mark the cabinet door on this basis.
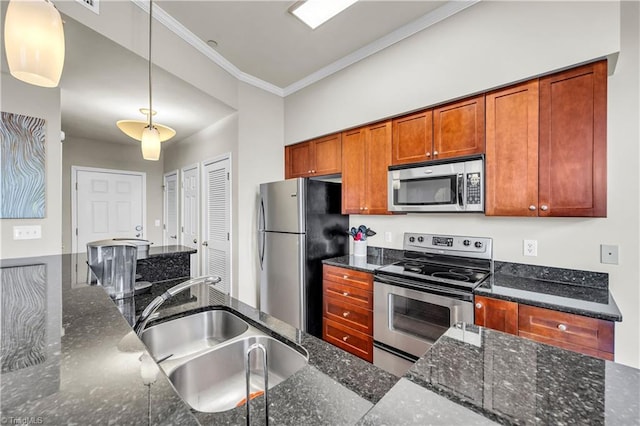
(511, 162)
(573, 151)
(298, 160)
(500, 315)
(353, 171)
(377, 163)
(327, 155)
(412, 138)
(458, 128)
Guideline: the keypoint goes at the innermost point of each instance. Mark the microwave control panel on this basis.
(473, 188)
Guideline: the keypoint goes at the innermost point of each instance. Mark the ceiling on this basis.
(103, 82)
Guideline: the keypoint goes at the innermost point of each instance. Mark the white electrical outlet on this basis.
(388, 237)
(33, 232)
(609, 254)
(530, 247)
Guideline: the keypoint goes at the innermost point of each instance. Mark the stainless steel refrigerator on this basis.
(300, 224)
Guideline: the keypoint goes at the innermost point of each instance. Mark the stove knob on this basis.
(411, 239)
(478, 244)
(466, 243)
(420, 239)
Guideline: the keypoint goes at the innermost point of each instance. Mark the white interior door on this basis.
(191, 214)
(216, 243)
(170, 228)
(107, 204)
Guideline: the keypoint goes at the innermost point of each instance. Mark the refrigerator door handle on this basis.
(261, 224)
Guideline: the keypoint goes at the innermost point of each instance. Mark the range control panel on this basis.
(454, 245)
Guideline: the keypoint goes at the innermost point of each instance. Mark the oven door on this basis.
(412, 320)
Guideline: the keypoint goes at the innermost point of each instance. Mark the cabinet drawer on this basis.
(558, 328)
(350, 315)
(348, 293)
(348, 276)
(348, 339)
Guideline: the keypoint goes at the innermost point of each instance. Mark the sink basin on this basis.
(192, 334)
(215, 381)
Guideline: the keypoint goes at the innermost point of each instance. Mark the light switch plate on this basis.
(609, 254)
(27, 232)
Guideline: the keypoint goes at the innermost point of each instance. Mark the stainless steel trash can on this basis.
(113, 265)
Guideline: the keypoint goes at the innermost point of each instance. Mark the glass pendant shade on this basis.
(150, 144)
(34, 42)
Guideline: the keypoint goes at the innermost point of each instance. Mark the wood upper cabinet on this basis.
(366, 156)
(318, 157)
(496, 314)
(412, 138)
(511, 161)
(546, 146)
(573, 148)
(458, 128)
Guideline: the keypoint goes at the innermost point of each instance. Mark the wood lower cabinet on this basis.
(546, 146)
(347, 320)
(318, 157)
(366, 156)
(496, 314)
(590, 336)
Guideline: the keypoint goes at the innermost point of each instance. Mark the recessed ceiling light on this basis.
(316, 12)
(212, 43)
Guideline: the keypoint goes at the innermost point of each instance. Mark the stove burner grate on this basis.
(450, 276)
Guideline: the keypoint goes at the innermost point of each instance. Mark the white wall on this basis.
(261, 159)
(21, 98)
(488, 45)
(100, 154)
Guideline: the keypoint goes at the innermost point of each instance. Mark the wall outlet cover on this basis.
(30, 232)
(530, 247)
(609, 254)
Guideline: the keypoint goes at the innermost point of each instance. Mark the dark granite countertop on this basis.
(168, 251)
(579, 292)
(376, 258)
(69, 357)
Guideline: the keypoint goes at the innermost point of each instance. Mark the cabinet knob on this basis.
(435, 153)
(345, 314)
(428, 154)
(366, 208)
(313, 171)
(361, 208)
(562, 327)
(308, 171)
(344, 339)
(478, 305)
(544, 208)
(532, 207)
(345, 293)
(345, 276)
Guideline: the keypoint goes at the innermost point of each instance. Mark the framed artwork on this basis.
(22, 166)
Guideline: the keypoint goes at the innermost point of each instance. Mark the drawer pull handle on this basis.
(344, 339)
(562, 327)
(345, 314)
(478, 305)
(345, 293)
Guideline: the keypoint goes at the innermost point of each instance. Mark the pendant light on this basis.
(149, 133)
(34, 42)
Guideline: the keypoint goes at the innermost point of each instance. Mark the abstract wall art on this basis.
(22, 166)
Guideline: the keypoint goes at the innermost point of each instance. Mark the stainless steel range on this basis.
(418, 298)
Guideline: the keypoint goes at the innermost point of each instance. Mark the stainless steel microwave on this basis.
(455, 185)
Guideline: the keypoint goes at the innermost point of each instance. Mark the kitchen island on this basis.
(69, 357)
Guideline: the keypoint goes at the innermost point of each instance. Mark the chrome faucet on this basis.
(155, 303)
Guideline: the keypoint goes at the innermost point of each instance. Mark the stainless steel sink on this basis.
(192, 334)
(215, 381)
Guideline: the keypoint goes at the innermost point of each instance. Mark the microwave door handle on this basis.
(461, 190)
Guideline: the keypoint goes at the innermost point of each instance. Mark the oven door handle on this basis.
(425, 288)
(461, 190)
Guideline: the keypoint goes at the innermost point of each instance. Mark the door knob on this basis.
(195, 241)
(138, 227)
(174, 237)
(206, 244)
(138, 235)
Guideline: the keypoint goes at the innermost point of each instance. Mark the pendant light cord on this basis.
(150, 26)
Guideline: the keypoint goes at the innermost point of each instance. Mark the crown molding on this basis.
(445, 11)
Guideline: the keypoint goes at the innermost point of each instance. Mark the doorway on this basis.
(105, 204)
(170, 228)
(191, 213)
(216, 214)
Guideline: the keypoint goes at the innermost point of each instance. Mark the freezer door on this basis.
(282, 204)
(281, 291)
